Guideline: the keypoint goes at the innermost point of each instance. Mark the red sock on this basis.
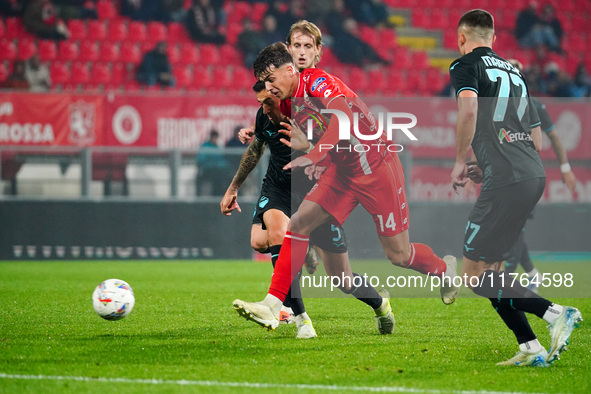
(423, 259)
(290, 261)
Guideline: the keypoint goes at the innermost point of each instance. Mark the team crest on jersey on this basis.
(317, 82)
(263, 201)
(509, 136)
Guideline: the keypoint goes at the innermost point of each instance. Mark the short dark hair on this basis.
(258, 86)
(275, 54)
(477, 18)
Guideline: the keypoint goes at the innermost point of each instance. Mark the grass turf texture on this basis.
(183, 327)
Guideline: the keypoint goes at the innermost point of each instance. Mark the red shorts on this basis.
(381, 193)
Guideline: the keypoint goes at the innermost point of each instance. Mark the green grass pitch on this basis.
(184, 336)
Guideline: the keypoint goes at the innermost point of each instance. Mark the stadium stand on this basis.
(109, 48)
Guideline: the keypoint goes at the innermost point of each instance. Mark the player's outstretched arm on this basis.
(568, 177)
(245, 134)
(249, 161)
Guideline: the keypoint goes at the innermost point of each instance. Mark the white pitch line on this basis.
(215, 383)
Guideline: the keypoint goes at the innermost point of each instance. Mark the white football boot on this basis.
(448, 291)
(257, 312)
(384, 315)
(522, 359)
(560, 331)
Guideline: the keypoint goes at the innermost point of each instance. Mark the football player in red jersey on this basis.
(373, 178)
(274, 210)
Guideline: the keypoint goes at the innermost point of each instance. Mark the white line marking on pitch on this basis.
(214, 383)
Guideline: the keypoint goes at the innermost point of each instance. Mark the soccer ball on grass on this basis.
(113, 299)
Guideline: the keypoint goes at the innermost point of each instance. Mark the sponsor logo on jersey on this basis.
(317, 82)
(327, 93)
(510, 136)
(322, 87)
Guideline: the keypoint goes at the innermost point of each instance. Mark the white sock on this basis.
(301, 318)
(552, 313)
(274, 303)
(533, 272)
(531, 347)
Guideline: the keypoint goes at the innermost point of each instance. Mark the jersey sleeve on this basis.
(546, 122)
(463, 76)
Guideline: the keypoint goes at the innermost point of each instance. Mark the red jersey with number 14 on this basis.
(354, 157)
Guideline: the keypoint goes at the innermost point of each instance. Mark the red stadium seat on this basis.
(438, 19)
(420, 60)
(13, 28)
(232, 33)
(183, 76)
(109, 52)
(377, 79)
(230, 55)
(119, 73)
(59, 72)
(201, 78)
(101, 74)
(174, 54)
(80, 73)
(221, 77)
(402, 58)
(3, 73)
(178, 33)
(419, 18)
(97, 30)
(157, 32)
(243, 77)
(210, 54)
(77, 29)
(369, 35)
(106, 9)
(395, 79)
(89, 51)
(47, 50)
(137, 31)
(360, 82)
(130, 53)
(68, 50)
(117, 30)
(387, 37)
(7, 50)
(26, 49)
(189, 54)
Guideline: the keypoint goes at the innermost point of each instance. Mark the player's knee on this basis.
(299, 225)
(399, 257)
(258, 245)
(275, 236)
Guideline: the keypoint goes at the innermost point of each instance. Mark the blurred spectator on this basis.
(212, 168)
(349, 49)
(235, 150)
(286, 14)
(155, 67)
(141, 10)
(370, 12)
(548, 18)
(269, 30)
(582, 82)
(12, 7)
(532, 31)
(535, 80)
(250, 42)
(173, 10)
(37, 74)
(76, 9)
(558, 82)
(204, 24)
(17, 79)
(41, 20)
(335, 21)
